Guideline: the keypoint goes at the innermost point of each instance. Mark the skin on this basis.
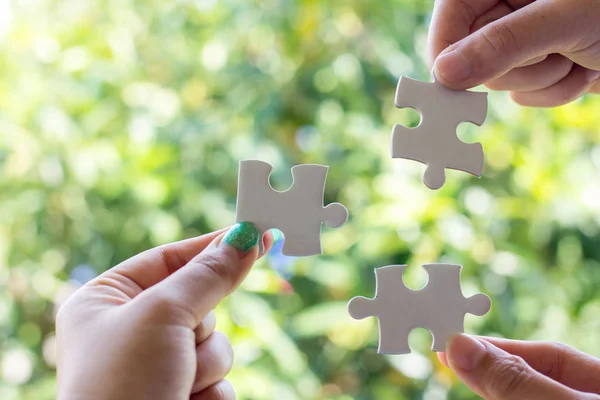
(145, 328)
(500, 369)
(545, 52)
(142, 330)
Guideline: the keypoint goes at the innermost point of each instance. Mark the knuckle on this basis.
(559, 353)
(220, 267)
(560, 349)
(507, 376)
(170, 257)
(500, 37)
(166, 307)
(161, 303)
(471, 14)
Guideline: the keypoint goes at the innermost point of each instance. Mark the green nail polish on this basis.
(243, 236)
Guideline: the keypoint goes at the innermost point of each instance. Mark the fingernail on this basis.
(243, 236)
(453, 67)
(465, 352)
(277, 235)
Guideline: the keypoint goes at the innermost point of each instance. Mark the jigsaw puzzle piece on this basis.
(386, 283)
(309, 188)
(297, 212)
(302, 229)
(434, 142)
(254, 192)
(445, 278)
(444, 292)
(392, 308)
(451, 322)
(335, 215)
(436, 102)
(393, 337)
(438, 153)
(304, 237)
(439, 307)
(394, 300)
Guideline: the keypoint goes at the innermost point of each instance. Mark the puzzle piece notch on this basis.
(434, 141)
(297, 212)
(439, 307)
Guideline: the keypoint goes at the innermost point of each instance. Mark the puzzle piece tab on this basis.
(297, 212)
(434, 141)
(439, 306)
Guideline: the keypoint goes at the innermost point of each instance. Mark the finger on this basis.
(492, 51)
(214, 358)
(206, 327)
(191, 292)
(451, 21)
(501, 10)
(595, 87)
(516, 4)
(221, 390)
(534, 60)
(534, 77)
(495, 13)
(495, 374)
(561, 363)
(268, 242)
(573, 86)
(152, 266)
(443, 358)
(146, 269)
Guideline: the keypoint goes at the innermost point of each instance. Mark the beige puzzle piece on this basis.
(439, 307)
(434, 141)
(297, 212)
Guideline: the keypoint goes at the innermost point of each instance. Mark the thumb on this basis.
(495, 374)
(539, 29)
(195, 289)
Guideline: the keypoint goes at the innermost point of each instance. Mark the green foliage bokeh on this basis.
(121, 126)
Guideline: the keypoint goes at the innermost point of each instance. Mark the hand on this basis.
(547, 53)
(500, 369)
(144, 329)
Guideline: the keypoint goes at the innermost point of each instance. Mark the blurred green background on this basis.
(121, 126)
